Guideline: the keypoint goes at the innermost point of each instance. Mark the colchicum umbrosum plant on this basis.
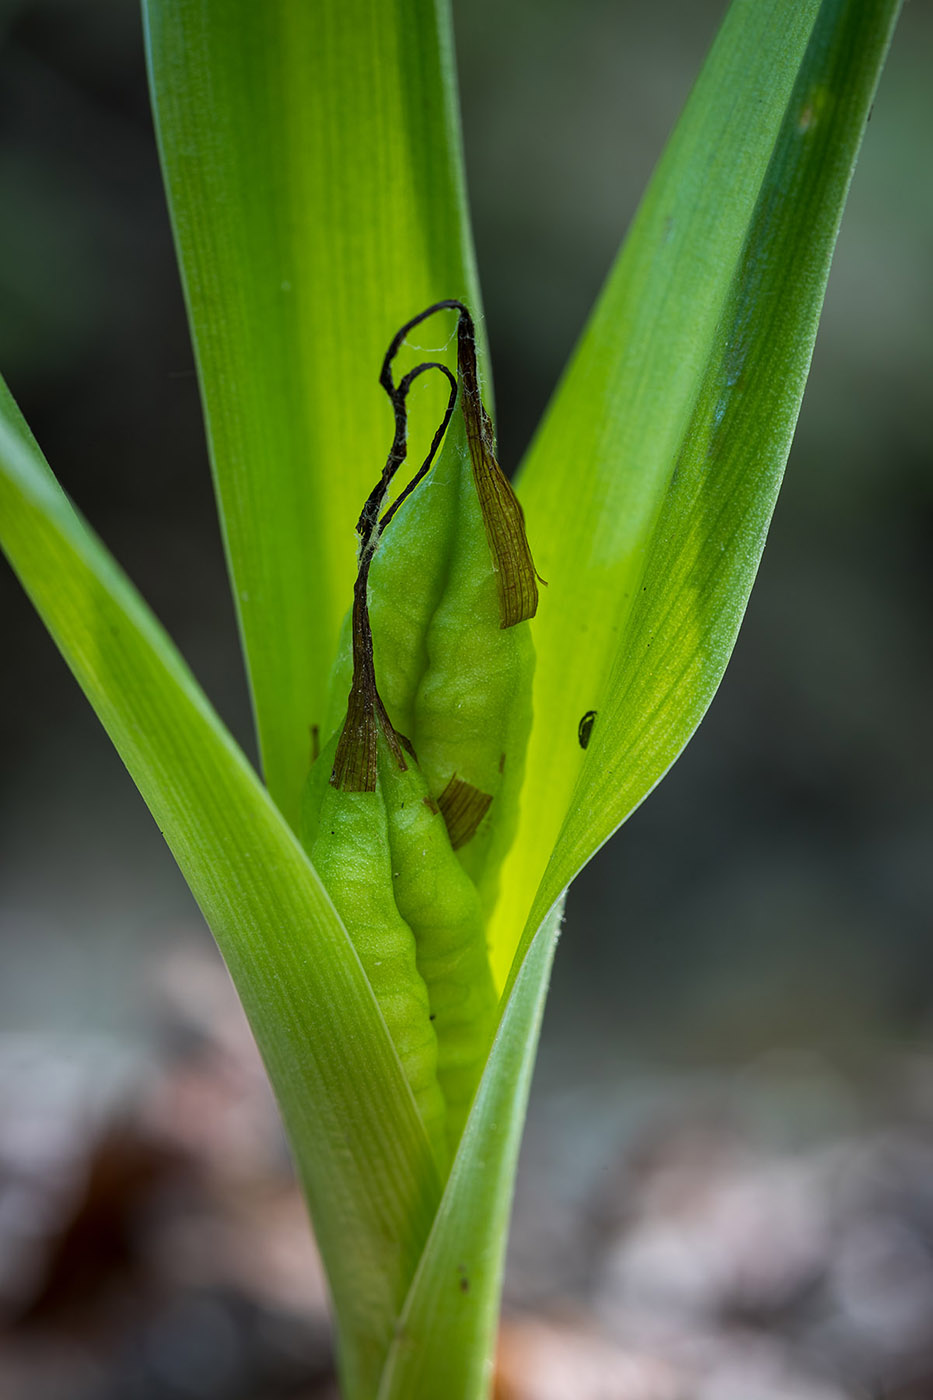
(445, 740)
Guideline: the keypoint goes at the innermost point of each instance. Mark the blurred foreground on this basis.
(761, 1236)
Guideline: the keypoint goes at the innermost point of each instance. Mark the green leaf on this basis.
(650, 486)
(446, 1334)
(311, 153)
(358, 1140)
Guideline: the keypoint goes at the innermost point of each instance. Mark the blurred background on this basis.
(726, 1189)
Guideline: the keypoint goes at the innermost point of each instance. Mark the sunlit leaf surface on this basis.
(312, 160)
(651, 483)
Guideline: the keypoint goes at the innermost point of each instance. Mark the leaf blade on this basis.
(311, 155)
(358, 1140)
(597, 558)
(446, 1333)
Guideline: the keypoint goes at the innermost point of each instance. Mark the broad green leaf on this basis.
(311, 154)
(357, 1137)
(649, 488)
(446, 1334)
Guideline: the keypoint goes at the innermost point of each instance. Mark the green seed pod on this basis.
(409, 810)
(455, 682)
(346, 835)
(471, 715)
(451, 589)
(440, 904)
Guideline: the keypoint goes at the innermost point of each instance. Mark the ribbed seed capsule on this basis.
(471, 714)
(409, 846)
(453, 680)
(451, 591)
(346, 835)
(439, 903)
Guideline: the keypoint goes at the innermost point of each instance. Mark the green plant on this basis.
(311, 157)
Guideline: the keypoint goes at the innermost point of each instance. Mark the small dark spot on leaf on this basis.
(433, 1016)
(502, 763)
(585, 728)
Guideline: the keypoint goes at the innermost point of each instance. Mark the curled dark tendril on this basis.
(369, 526)
(355, 761)
(516, 577)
